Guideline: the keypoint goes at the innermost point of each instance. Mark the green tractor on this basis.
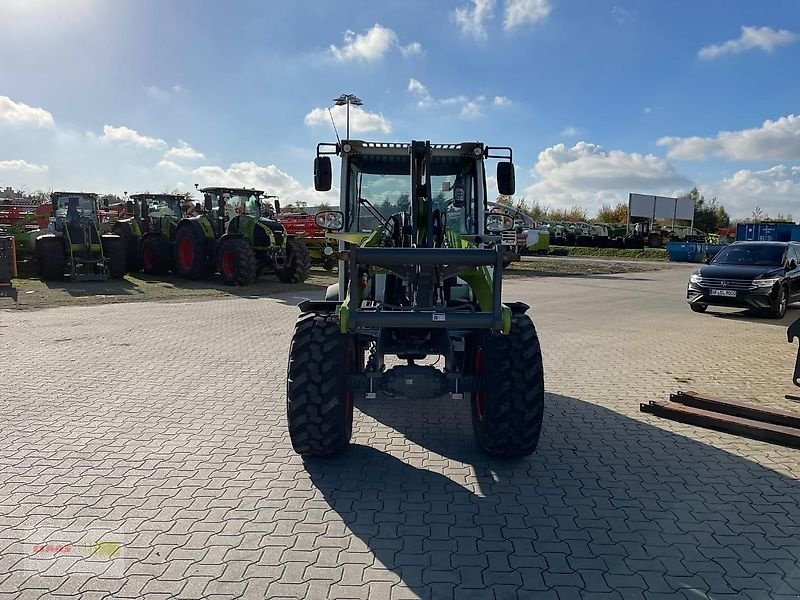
(232, 235)
(149, 235)
(420, 279)
(73, 242)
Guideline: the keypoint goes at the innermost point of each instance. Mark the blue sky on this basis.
(597, 98)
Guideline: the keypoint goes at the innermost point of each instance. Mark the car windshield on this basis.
(766, 255)
(383, 194)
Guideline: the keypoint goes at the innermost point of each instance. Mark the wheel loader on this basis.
(418, 311)
(73, 243)
(230, 234)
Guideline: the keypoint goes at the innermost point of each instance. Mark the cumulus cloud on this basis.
(183, 151)
(361, 121)
(774, 190)
(466, 107)
(774, 140)
(751, 38)
(588, 175)
(268, 177)
(472, 19)
(525, 12)
(19, 113)
(21, 166)
(126, 135)
(170, 165)
(372, 45)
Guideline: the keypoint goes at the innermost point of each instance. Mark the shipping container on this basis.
(767, 232)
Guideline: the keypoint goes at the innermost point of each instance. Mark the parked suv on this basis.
(759, 275)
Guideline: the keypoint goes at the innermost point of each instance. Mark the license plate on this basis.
(727, 293)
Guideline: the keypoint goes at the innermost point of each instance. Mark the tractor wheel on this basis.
(156, 255)
(236, 261)
(329, 263)
(190, 254)
(52, 261)
(319, 406)
(654, 241)
(508, 409)
(114, 251)
(298, 263)
(131, 243)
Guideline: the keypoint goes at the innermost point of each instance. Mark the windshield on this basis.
(245, 204)
(164, 207)
(375, 196)
(74, 206)
(766, 255)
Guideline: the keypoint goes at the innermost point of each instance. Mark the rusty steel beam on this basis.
(758, 430)
(738, 409)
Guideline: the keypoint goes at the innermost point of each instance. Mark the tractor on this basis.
(230, 234)
(420, 280)
(149, 234)
(73, 242)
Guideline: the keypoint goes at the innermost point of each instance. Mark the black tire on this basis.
(190, 256)
(114, 251)
(778, 309)
(131, 244)
(508, 410)
(298, 263)
(319, 407)
(654, 240)
(698, 308)
(236, 261)
(156, 255)
(329, 263)
(51, 258)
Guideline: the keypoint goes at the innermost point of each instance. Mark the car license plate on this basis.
(726, 293)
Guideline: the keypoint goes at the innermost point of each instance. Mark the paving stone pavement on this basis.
(144, 445)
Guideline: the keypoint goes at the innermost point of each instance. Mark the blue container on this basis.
(692, 252)
(767, 232)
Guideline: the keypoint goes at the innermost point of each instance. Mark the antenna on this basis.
(334, 127)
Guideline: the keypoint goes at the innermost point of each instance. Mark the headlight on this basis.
(765, 282)
(695, 278)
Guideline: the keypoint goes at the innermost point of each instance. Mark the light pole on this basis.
(347, 100)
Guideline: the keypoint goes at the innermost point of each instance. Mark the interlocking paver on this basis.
(191, 470)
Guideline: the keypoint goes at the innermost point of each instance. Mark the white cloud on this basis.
(502, 101)
(471, 109)
(525, 12)
(361, 121)
(472, 20)
(18, 113)
(269, 178)
(571, 132)
(416, 87)
(125, 135)
(183, 151)
(647, 110)
(774, 140)
(774, 190)
(21, 166)
(162, 94)
(622, 15)
(751, 38)
(371, 45)
(468, 108)
(170, 165)
(589, 176)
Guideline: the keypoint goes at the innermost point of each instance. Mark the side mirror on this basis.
(277, 206)
(332, 220)
(207, 204)
(322, 173)
(506, 182)
(792, 265)
(498, 222)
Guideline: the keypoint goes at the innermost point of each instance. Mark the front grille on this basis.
(726, 284)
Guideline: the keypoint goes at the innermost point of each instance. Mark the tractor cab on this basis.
(159, 213)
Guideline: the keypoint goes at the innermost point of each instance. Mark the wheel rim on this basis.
(782, 301)
(147, 257)
(186, 253)
(228, 263)
(480, 398)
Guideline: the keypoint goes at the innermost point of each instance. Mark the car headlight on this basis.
(765, 282)
(695, 278)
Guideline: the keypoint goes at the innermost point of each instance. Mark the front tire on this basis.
(508, 409)
(156, 256)
(298, 263)
(114, 251)
(236, 262)
(191, 261)
(51, 258)
(778, 310)
(698, 308)
(131, 244)
(319, 406)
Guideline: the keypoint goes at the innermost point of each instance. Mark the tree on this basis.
(708, 215)
(613, 214)
(505, 200)
(323, 206)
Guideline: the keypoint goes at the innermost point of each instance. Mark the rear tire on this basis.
(236, 262)
(508, 411)
(298, 263)
(191, 260)
(698, 308)
(319, 406)
(114, 251)
(778, 310)
(156, 255)
(51, 258)
(131, 244)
